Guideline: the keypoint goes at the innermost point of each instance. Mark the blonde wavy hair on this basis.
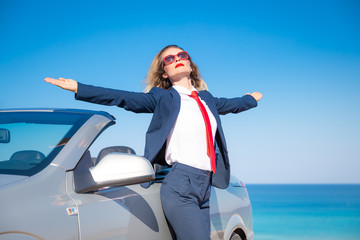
(155, 77)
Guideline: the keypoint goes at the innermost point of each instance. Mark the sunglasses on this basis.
(169, 59)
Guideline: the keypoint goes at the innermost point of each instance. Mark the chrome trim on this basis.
(27, 110)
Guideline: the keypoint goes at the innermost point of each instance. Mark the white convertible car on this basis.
(51, 187)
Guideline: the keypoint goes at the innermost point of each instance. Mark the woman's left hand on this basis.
(255, 95)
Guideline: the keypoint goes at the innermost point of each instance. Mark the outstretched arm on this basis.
(132, 101)
(239, 104)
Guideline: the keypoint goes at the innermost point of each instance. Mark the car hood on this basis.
(6, 179)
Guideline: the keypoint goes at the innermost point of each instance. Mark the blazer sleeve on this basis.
(235, 105)
(137, 102)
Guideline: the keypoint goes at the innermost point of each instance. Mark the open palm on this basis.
(67, 84)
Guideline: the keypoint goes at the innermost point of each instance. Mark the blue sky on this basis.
(304, 56)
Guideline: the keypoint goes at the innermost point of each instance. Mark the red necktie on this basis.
(209, 137)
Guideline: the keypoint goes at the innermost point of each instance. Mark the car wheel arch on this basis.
(238, 234)
(236, 226)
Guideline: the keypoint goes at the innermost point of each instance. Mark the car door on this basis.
(128, 212)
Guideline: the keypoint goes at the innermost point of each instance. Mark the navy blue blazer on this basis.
(165, 106)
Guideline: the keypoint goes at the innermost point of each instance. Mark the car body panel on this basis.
(36, 206)
(225, 204)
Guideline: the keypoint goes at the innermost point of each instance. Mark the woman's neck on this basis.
(183, 82)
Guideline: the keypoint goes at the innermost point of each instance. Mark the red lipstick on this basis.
(179, 65)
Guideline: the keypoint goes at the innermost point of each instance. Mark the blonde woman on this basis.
(183, 133)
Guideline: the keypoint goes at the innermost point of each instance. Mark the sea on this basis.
(305, 211)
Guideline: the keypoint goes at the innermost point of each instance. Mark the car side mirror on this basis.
(4, 135)
(115, 169)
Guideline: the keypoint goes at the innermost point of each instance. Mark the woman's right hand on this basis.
(67, 84)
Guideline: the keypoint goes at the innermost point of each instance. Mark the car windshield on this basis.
(29, 141)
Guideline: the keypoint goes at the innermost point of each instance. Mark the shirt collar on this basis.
(182, 90)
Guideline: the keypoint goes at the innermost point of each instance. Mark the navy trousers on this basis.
(185, 195)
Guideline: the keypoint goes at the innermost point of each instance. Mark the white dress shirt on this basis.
(186, 142)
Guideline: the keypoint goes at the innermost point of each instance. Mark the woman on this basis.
(183, 133)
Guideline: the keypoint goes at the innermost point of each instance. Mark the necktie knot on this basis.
(194, 94)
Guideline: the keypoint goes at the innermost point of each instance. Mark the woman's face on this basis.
(179, 68)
